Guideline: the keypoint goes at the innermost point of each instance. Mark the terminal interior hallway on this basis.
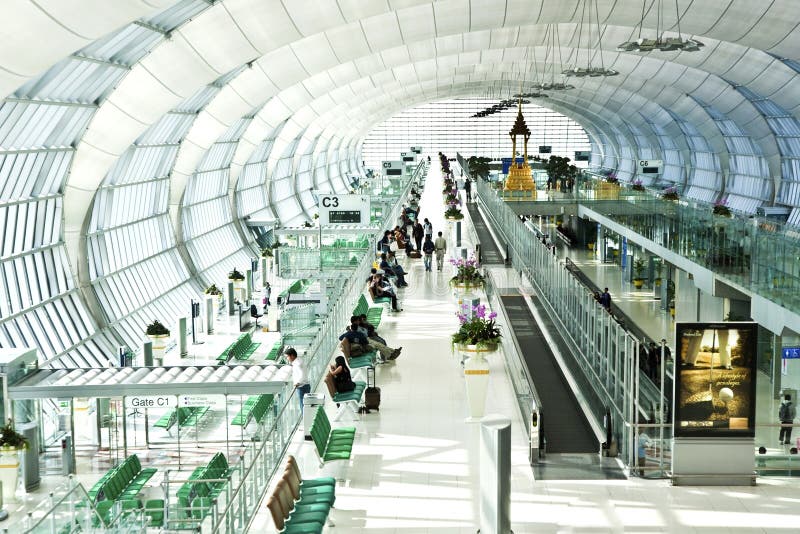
(415, 464)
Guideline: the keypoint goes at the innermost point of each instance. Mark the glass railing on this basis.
(756, 253)
(524, 389)
(604, 351)
(69, 508)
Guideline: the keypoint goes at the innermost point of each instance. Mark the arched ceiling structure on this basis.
(189, 111)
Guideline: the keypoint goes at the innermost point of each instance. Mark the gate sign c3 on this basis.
(344, 209)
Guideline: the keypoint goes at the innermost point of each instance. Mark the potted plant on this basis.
(477, 336)
(266, 253)
(670, 194)
(11, 444)
(638, 270)
(468, 274)
(721, 209)
(212, 290)
(637, 185)
(235, 275)
(453, 214)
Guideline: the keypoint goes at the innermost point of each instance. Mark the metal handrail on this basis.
(73, 487)
(491, 287)
(222, 518)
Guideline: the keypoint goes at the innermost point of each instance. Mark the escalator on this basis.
(490, 254)
(572, 446)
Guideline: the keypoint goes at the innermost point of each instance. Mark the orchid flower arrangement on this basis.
(670, 193)
(467, 272)
(637, 185)
(721, 208)
(477, 328)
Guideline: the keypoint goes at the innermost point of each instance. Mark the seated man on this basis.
(379, 287)
(372, 332)
(355, 343)
(393, 269)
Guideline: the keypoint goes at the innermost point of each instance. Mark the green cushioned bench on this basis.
(122, 483)
(298, 287)
(373, 313)
(273, 353)
(195, 497)
(331, 444)
(255, 408)
(348, 401)
(301, 506)
(241, 349)
(184, 416)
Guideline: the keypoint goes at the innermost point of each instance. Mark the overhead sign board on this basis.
(344, 209)
(408, 157)
(151, 401)
(393, 168)
(790, 353)
(582, 155)
(650, 166)
(545, 149)
(416, 149)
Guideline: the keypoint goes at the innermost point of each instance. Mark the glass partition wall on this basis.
(604, 352)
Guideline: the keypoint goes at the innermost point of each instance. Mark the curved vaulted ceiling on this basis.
(168, 121)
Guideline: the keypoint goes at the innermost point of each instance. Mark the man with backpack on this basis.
(786, 414)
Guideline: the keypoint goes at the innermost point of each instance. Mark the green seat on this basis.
(349, 396)
(331, 444)
(154, 510)
(359, 362)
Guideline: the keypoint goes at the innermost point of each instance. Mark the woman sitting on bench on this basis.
(341, 376)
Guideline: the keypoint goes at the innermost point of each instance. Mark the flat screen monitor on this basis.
(408, 158)
(545, 149)
(394, 172)
(650, 170)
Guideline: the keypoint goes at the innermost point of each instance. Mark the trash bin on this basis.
(311, 403)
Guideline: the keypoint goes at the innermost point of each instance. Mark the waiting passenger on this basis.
(355, 343)
(381, 288)
(342, 380)
(393, 269)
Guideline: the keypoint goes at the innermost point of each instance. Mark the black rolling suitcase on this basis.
(372, 395)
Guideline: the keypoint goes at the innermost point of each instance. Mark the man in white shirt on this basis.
(299, 375)
(440, 245)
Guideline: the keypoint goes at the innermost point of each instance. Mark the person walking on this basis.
(468, 189)
(605, 300)
(440, 245)
(299, 375)
(427, 250)
(267, 295)
(428, 229)
(418, 232)
(786, 413)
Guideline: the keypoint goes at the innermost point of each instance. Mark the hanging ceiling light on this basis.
(661, 43)
(591, 50)
(552, 47)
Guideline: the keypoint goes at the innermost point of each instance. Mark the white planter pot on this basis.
(9, 473)
(476, 377)
(159, 348)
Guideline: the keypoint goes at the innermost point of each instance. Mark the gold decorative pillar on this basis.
(519, 176)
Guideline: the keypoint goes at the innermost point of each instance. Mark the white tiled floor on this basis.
(415, 464)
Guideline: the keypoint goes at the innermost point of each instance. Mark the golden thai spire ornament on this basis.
(519, 174)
